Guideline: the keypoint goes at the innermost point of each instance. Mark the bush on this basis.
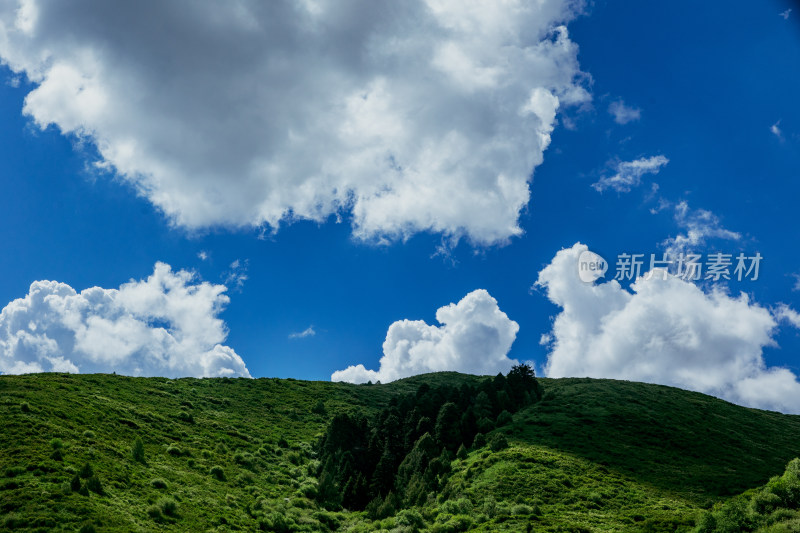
(217, 472)
(158, 483)
(319, 408)
(462, 452)
(87, 528)
(504, 418)
(86, 471)
(88, 434)
(154, 512)
(94, 485)
(485, 425)
(186, 417)
(25, 407)
(174, 450)
(75, 483)
(244, 459)
(283, 443)
(479, 441)
(410, 518)
(498, 442)
(168, 507)
(137, 450)
(56, 444)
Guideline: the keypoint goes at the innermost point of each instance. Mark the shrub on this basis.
(504, 418)
(294, 458)
(283, 443)
(86, 471)
(244, 459)
(87, 528)
(88, 434)
(278, 523)
(462, 452)
(56, 444)
(158, 483)
(137, 450)
(57, 455)
(75, 483)
(25, 407)
(168, 507)
(94, 485)
(521, 509)
(245, 478)
(174, 450)
(498, 442)
(479, 441)
(154, 512)
(319, 408)
(410, 518)
(186, 417)
(217, 472)
(485, 425)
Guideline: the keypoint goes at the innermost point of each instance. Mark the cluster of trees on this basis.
(773, 507)
(404, 453)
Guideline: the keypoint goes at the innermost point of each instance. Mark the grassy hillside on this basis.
(227, 455)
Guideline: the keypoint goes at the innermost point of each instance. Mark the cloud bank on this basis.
(166, 325)
(474, 337)
(412, 116)
(666, 331)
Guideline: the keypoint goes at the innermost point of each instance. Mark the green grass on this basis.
(237, 454)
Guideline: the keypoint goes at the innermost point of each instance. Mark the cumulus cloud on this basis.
(474, 337)
(699, 225)
(427, 115)
(629, 173)
(666, 331)
(622, 113)
(166, 325)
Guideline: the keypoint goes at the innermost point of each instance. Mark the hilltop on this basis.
(240, 454)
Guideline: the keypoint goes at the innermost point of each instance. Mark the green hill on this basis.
(240, 455)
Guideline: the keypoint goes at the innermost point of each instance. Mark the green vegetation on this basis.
(774, 508)
(111, 453)
(400, 456)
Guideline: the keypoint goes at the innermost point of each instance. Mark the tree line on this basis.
(401, 455)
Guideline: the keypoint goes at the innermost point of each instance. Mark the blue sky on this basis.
(715, 89)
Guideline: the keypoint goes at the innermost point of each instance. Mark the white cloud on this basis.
(623, 114)
(308, 332)
(236, 274)
(699, 225)
(166, 325)
(475, 337)
(202, 255)
(785, 14)
(629, 173)
(776, 130)
(785, 313)
(666, 331)
(427, 115)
